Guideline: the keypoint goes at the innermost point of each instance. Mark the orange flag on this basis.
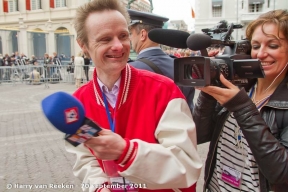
(192, 12)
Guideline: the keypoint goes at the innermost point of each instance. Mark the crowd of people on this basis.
(50, 63)
(179, 53)
(148, 132)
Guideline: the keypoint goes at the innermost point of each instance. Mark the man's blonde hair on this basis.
(85, 10)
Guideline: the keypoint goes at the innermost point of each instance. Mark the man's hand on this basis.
(222, 95)
(107, 146)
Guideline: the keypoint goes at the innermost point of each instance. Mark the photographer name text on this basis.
(39, 186)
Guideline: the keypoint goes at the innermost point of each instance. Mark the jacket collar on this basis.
(125, 87)
(279, 97)
(151, 52)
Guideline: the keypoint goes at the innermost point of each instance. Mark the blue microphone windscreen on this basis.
(64, 111)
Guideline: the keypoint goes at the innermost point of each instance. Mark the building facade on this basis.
(178, 25)
(35, 27)
(210, 12)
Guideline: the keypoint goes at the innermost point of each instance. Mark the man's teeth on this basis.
(114, 56)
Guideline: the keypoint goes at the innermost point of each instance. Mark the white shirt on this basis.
(110, 95)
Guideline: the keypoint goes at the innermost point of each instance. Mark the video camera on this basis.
(235, 63)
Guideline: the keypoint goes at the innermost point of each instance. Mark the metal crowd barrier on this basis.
(51, 73)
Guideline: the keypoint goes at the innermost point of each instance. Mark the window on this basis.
(255, 7)
(217, 8)
(217, 11)
(60, 3)
(13, 5)
(35, 4)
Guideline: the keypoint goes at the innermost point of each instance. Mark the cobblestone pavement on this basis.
(33, 157)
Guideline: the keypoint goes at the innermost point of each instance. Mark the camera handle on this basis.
(228, 33)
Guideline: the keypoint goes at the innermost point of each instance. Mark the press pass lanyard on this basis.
(111, 122)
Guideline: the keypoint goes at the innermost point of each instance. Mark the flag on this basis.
(192, 13)
(5, 6)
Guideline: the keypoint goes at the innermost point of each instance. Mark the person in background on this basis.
(34, 77)
(33, 60)
(62, 56)
(177, 53)
(187, 53)
(86, 66)
(70, 68)
(148, 135)
(248, 127)
(22, 56)
(150, 55)
(1, 69)
(48, 65)
(56, 60)
(78, 69)
(195, 53)
(7, 60)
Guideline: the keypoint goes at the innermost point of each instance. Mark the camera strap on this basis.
(151, 65)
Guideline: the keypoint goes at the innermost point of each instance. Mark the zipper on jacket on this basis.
(205, 185)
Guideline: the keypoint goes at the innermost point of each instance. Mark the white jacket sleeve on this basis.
(87, 168)
(174, 162)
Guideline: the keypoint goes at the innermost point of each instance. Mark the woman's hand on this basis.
(213, 53)
(222, 95)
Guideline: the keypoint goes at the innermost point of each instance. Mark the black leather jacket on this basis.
(267, 138)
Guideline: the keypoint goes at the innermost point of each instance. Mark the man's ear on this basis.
(144, 35)
(83, 47)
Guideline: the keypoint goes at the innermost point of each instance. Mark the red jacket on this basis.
(152, 114)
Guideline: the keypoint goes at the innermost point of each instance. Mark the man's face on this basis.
(135, 39)
(108, 41)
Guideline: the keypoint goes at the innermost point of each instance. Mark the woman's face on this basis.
(272, 53)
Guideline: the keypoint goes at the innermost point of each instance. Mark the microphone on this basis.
(202, 41)
(67, 114)
(169, 37)
(198, 41)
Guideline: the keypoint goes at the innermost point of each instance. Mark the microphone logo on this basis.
(71, 115)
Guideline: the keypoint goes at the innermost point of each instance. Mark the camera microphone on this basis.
(198, 41)
(67, 114)
(202, 41)
(169, 37)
